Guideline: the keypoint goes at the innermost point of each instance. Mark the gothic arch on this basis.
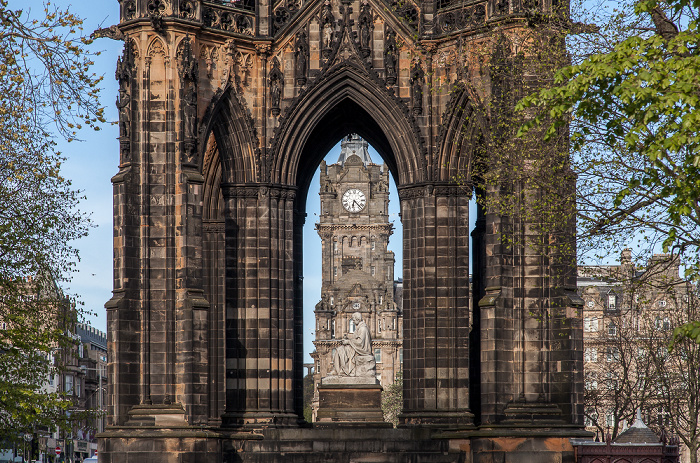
(379, 118)
(228, 120)
(463, 133)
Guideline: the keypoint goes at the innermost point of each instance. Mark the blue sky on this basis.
(93, 161)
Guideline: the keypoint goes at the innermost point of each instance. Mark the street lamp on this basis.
(27, 439)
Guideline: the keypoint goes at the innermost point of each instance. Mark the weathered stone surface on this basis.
(226, 111)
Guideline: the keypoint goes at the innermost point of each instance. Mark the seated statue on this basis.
(355, 357)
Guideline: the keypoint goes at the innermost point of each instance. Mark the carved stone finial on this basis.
(187, 66)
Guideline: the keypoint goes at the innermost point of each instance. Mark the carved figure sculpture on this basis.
(276, 83)
(190, 112)
(390, 55)
(123, 104)
(301, 54)
(354, 357)
(327, 36)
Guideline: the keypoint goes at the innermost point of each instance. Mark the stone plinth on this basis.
(350, 404)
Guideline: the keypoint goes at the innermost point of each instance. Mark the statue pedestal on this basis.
(347, 401)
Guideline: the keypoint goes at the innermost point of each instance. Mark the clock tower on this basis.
(357, 267)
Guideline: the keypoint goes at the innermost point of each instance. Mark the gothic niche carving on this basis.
(301, 56)
(187, 9)
(327, 25)
(124, 74)
(276, 86)
(129, 9)
(366, 29)
(156, 10)
(188, 69)
(417, 78)
(391, 55)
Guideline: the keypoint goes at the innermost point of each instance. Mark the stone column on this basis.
(529, 323)
(436, 305)
(260, 329)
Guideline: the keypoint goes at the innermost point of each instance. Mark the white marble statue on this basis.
(354, 357)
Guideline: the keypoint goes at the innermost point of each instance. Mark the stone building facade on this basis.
(628, 318)
(226, 109)
(357, 268)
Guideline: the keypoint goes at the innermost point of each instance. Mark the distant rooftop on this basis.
(92, 335)
(354, 144)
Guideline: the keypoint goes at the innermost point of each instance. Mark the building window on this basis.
(663, 324)
(612, 354)
(401, 355)
(351, 328)
(612, 302)
(373, 245)
(590, 382)
(331, 300)
(609, 419)
(333, 329)
(612, 329)
(69, 384)
(77, 387)
(379, 326)
(378, 355)
(590, 419)
(591, 354)
(335, 272)
(335, 247)
(611, 381)
(590, 324)
(356, 306)
(372, 270)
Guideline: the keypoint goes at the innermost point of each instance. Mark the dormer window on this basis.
(612, 302)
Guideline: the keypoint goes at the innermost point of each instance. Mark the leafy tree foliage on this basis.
(46, 88)
(632, 105)
(392, 400)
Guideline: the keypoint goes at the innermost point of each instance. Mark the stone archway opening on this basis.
(333, 289)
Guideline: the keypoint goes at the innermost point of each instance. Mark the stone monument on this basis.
(351, 393)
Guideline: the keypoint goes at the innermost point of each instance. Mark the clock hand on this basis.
(355, 203)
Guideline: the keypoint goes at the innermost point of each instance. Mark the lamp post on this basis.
(27, 439)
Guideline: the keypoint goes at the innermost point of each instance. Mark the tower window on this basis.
(333, 329)
(378, 355)
(373, 245)
(372, 270)
(335, 273)
(351, 328)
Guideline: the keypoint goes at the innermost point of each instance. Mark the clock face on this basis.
(354, 200)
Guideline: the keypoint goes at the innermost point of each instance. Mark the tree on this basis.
(392, 400)
(632, 109)
(629, 365)
(46, 90)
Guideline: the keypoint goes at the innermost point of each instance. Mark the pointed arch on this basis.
(346, 100)
(464, 134)
(236, 139)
